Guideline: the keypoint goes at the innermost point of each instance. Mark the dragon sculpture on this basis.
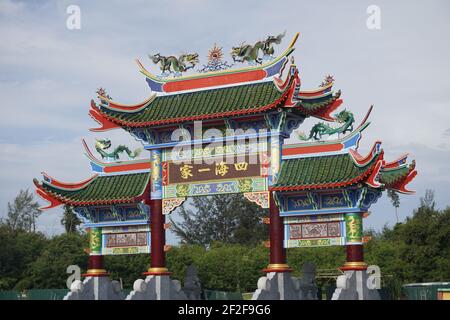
(172, 64)
(320, 129)
(105, 144)
(249, 53)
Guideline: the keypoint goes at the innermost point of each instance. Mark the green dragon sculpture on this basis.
(249, 53)
(320, 129)
(105, 144)
(172, 64)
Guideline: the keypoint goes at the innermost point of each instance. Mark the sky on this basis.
(49, 73)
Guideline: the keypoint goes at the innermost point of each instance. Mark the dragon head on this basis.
(343, 116)
(155, 58)
(237, 51)
(191, 58)
(103, 144)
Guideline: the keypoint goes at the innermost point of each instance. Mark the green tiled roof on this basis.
(313, 105)
(321, 172)
(393, 175)
(104, 189)
(201, 103)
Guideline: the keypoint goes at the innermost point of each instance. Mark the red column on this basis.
(354, 239)
(158, 239)
(277, 261)
(96, 267)
(355, 258)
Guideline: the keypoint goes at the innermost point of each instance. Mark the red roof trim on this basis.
(67, 185)
(95, 114)
(362, 161)
(400, 186)
(46, 196)
(397, 162)
(325, 114)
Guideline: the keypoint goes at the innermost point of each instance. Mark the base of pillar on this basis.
(277, 267)
(156, 287)
(356, 285)
(162, 271)
(96, 273)
(354, 265)
(281, 285)
(95, 288)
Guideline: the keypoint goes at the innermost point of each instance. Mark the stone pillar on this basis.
(354, 246)
(96, 267)
(277, 261)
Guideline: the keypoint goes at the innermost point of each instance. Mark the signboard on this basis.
(215, 176)
(314, 231)
(125, 240)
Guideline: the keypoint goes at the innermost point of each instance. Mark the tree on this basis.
(49, 269)
(70, 220)
(19, 250)
(395, 200)
(23, 212)
(427, 201)
(223, 218)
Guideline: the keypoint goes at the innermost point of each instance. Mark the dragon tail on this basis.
(133, 154)
(303, 137)
(136, 153)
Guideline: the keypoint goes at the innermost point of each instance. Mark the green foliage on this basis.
(223, 218)
(23, 212)
(226, 267)
(128, 268)
(70, 220)
(19, 250)
(416, 250)
(395, 200)
(49, 269)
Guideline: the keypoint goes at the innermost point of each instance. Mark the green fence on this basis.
(58, 294)
(221, 295)
(424, 291)
(35, 294)
(9, 295)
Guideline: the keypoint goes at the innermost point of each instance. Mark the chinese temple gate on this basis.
(222, 130)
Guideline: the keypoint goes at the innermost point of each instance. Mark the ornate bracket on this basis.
(168, 205)
(260, 198)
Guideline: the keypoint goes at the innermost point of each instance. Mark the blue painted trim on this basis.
(155, 86)
(96, 168)
(273, 70)
(115, 224)
(352, 142)
(318, 212)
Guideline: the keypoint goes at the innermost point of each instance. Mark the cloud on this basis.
(49, 74)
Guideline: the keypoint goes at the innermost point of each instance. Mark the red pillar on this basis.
(96, 267)
(277, 261)
(158, 239)
(355, 258)
(354, 242)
